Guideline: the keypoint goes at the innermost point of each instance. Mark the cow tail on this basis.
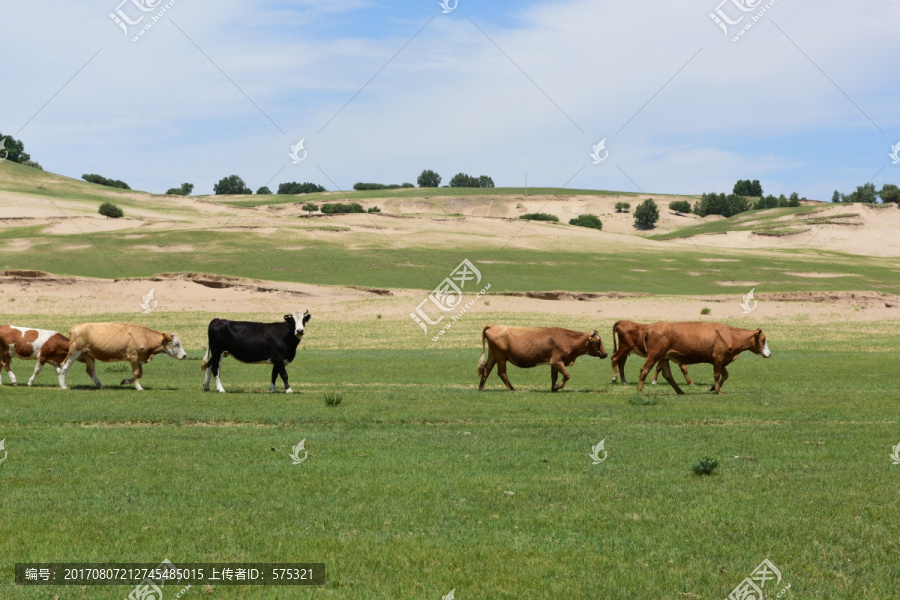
(483, 361)
(205, 362)
(616, 337)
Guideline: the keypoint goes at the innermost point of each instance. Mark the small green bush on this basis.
(100, 180)
(263, 191)
(110, 211)
(705, 466)
(337, 208)
(374, 209)
(310, 207)
(646, 214)
(540, 217)
(705, 311)
(333, 399)
(589, 220)
(622, 206)
(680, 206)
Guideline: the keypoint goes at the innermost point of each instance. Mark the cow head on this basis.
(299, 322)
(595, 345)
(760, 345)
(172, 346)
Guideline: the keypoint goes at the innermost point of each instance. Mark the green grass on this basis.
(751, 220)
(424, 193)
(238, 254)
(404, 494)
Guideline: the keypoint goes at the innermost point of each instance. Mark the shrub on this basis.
(429, 178)
(705, 466)
(464, 180)
(231, 185)
(890, 193)
(374, 209)
(310, 207)
(589, 220)
(333, 399)
(406, 184)
(263, 191)
(380, 186)
(705, 311)
(100, 180)
(745, 187)
(338, 208)
(33, 164)
(646, 214)
(766, 202)
(111, 211)
(540, 217)
(15, 149)
(720, 204)
(184, 190)
(292, 187)
(680, 206)
(622, 206)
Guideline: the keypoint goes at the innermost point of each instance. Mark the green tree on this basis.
(292, 187)
(622, 206)
(429, 178)
(769, 201)
(14, 149)
(310, 207)
(680, 206)
(720, 204)
(794, 200)
(231, 185)
(184, 190)
(263, 191)
(110, 211)
(374, 209)
(338, 208)
(100, 180)
(646, 214)
(485, 181)
(890, 193)
(864, 193)
(836, 197)
(540, 217)
(589, 220)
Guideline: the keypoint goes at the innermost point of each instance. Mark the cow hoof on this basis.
(221, 391)
(289, 391)
(652, 383)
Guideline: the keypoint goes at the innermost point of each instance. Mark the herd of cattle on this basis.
(276, 344)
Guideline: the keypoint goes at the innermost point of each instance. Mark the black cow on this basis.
(254, 343)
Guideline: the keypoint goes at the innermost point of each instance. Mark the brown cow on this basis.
(531, 346)
(628, 337)
(691, 343)
(108, 342)
(28, 343)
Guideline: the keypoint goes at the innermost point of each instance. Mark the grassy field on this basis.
(689, 270)
(417, 484)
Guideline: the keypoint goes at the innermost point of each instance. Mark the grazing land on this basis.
(415, 483)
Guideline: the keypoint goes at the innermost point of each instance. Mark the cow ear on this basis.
(758, 331)
(306, 317)
(288, 317)
(167, 337)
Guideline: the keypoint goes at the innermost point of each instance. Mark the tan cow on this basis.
(531, 346)
(27, 343)
(691, 343)
(628, 337)
(110, 342)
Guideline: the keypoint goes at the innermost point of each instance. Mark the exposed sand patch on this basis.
(738, 283)
(78, 225)
(168, 248)
(717, 260)
(19, 245)
(820, 275)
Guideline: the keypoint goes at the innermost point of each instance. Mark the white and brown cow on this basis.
(112, 342)
(27, 343)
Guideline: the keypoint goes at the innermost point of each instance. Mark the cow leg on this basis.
(37, 369)
(559, 366)
(721, 376)
(488, 367)
(667, 373)
(278, 368)
(618, 366)
(91, 368)
(138, 372)
(7, 362)
(501, 371)
(70, 360)
(645, 370)
(687, 379)
(214, 368)
(554, 373)
(659, 368)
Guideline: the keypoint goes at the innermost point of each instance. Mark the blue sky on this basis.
(805, 101)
